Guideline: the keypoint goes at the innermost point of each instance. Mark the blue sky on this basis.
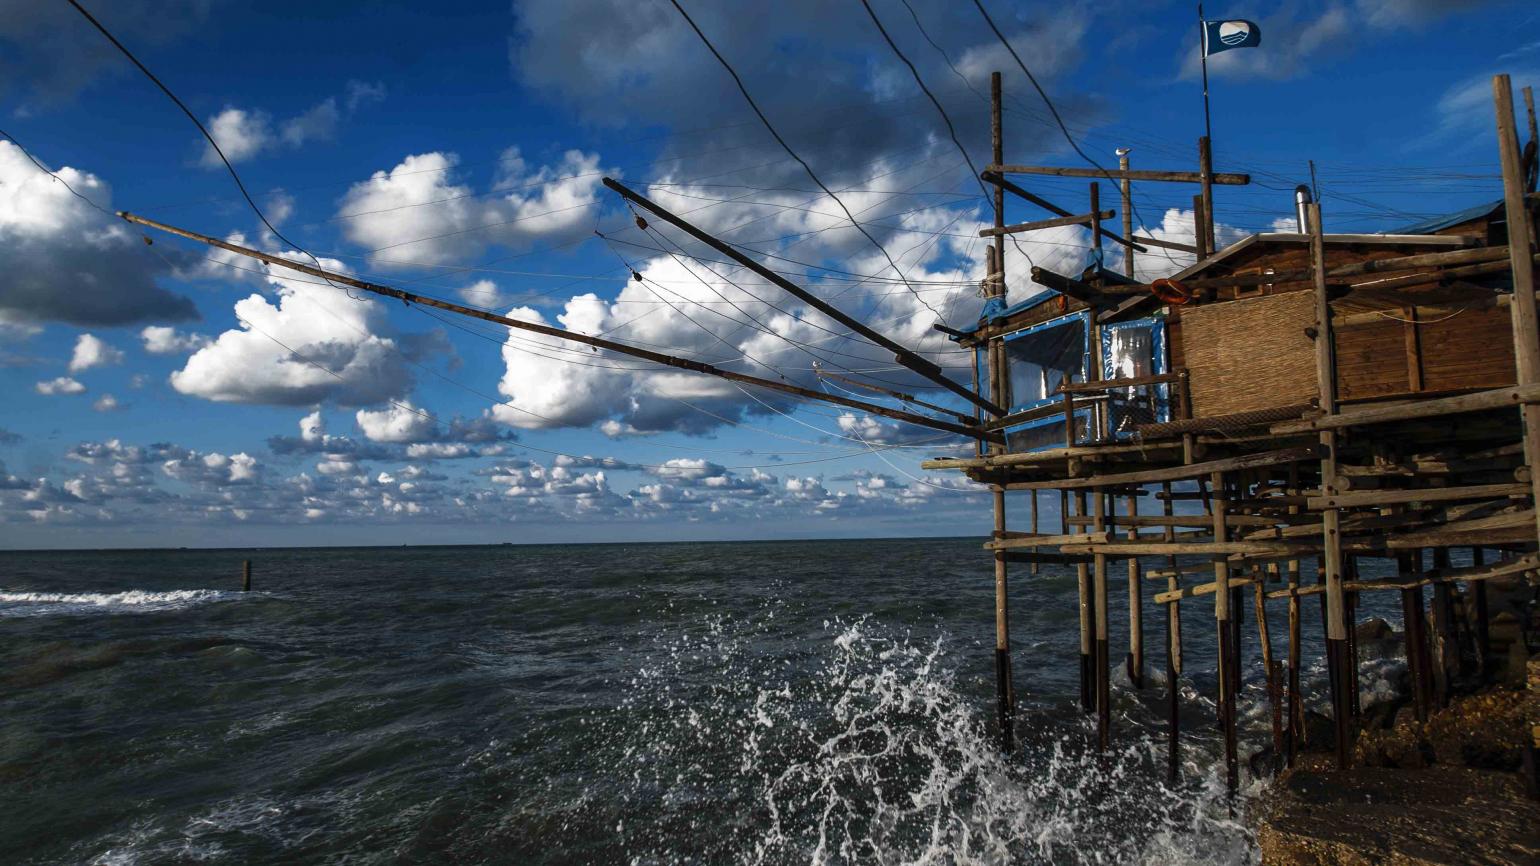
(152, 398)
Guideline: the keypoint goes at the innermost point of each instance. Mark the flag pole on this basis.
(1203, 55)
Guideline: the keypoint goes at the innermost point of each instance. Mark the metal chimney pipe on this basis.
(1302, 208)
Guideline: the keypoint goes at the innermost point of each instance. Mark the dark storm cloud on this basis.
(49, 52)
(819, 70)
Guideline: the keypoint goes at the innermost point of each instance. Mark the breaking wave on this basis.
(880, 756)
(134, 600)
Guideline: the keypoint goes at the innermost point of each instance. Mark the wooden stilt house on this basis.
(1324, 398)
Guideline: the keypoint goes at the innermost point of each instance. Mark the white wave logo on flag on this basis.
(1234, 32)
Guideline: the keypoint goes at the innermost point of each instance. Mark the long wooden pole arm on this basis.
(904, 356)
(1000, 181)
(596, 342)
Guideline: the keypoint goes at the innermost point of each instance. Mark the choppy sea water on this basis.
(761, 703)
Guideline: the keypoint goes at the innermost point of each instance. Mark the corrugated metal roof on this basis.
(1439, 223)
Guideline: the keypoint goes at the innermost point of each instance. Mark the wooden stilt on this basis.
(1296, 703)
(1004, 692)
(1032, 569)
(1350, 611)
(1444, 646)
(1273, 669)
(1482, 626)
(246, 575)
(1173, 652)
(1087, 623)
(1222, 614)
(1135, 607)
(1411, 616)
(1103, 672)
(1526, 322)
(1326, 378)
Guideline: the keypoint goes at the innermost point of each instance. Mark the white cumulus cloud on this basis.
(92, 351)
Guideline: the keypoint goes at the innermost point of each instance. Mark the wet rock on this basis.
(1319, 732)
(1374, 629)
(1371, 815)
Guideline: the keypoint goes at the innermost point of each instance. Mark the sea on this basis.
(799, 702)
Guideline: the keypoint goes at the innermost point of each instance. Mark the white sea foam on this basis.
(882, 757)
(134, 600)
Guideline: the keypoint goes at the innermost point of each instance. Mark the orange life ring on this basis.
(1171, 291)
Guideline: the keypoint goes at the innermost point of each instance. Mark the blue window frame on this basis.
(1041, 358)
(1130, 350)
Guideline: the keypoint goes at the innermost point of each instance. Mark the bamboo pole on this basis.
(1326, 376)
(1526, 323)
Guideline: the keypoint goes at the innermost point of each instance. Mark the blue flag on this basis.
(1223, 35)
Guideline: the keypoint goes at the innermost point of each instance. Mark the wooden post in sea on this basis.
(1296, 700)
(1326, 378)
(1087, 622)
(1173, 648)
(1103, 674)
(246, 575)
(1222, 596)
(1135, 604)
(999, 392)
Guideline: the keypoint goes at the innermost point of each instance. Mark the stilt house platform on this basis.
(1292, 404)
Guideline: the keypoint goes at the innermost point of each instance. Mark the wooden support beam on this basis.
(1018, 540)
(1280, 457)
(1192, 548)
(901, 354)
(1480, 401)
(1170, 245)
(1113, 176)
(1072, 220)
(572, 336)
(1072, 287)
(1002, 184)
(1372, 498)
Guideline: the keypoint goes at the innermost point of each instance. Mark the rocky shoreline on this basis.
(1457, 788)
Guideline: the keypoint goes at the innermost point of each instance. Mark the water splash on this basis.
(869, 748)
